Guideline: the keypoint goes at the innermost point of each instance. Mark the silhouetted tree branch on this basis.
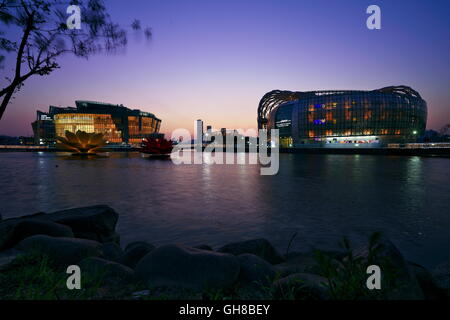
(45, 36)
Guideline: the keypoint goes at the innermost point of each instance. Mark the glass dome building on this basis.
(344, 118)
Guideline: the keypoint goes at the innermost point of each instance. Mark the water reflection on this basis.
(321, 197)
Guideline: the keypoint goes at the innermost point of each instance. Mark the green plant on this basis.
(35, 277)
(346, 279)
(290, 243)
(221, 294)
(30, 278)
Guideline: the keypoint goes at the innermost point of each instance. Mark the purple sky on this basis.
(214, 60)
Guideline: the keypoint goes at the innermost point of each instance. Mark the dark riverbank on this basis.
(251, 269)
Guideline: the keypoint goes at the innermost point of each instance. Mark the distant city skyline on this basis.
(214, 60)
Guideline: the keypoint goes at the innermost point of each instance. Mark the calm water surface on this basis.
(319, 197)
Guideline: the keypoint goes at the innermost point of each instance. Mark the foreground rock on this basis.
(62, 251)
(301, 286)
(441, 275)
(109, 273)
(184, 267)
(298, 263)
(204, 247)
(112, 251)
(96, 223)
(255, 277)
(255, 271)
(134, 252)
(15, 231)
(427, 283)
(248, 267)
(135, 244)
(7, 257)
(259, 247)
(399, 281)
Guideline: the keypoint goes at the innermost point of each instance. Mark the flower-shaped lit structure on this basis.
(81, 142)
(157, 146)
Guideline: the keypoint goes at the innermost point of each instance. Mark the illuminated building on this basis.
(118, 123)
(344, 118)
(44, 129)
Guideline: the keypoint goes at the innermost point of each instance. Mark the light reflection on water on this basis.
(321, 197)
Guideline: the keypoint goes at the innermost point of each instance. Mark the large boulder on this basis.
(94, 223)
(189, 268)
(62, 251)
(134, 244)
(112, 251)
(398, 281)
(441, 275)
(298, 263)
(301, 286)
(428, 285)
(259, 247)
(7, 257)
(15, 231)
(134, 252)
(255, 271)
(255, 277)
(204, 247)
(7, 228)
(106, 273)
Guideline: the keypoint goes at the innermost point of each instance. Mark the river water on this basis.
(318, 197)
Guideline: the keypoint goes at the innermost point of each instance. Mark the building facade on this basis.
(344, 118)
(44, 129)
(118, 123)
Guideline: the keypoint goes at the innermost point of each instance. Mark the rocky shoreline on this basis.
(251, 269)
